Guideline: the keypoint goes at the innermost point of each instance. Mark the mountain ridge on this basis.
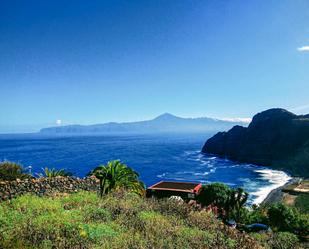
(165, 122)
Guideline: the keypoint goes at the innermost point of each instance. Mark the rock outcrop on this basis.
(275, 138)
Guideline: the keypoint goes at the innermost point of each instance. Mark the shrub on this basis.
(215, 193)
(188, 237)
(302, 203)
(30, 205)
(10, 171)
(130, 239)
(257, 215)
(123, 203)
(80, 200)
(155, 222)
(55, 172)
(229, 201)
(302, 225)
(171, 207)
(44, 222)
(97, 233)
(96, 214)
(203, 220)
(284, 240)
(288, 219)
(118, 220)
(263, 239)
(282, 217)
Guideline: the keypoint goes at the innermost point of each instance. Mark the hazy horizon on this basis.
(59, 123)
(78, 62)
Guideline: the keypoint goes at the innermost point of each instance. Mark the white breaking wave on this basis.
(259, 183)
(276, 179)
(201, 174)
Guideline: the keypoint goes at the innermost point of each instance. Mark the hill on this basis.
(121, 220)
(163, 123)
(275, 138)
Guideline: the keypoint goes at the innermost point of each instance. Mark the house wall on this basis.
(168, 193)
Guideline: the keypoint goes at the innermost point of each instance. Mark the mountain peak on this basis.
(165, 122)
(166, 116)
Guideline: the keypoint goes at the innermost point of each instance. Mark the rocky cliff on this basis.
(275, 138)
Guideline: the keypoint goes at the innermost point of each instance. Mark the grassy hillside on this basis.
(293, 197)
(121, 220)
(125, 219)
(302, 203)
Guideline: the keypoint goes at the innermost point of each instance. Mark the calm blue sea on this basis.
(155, 157)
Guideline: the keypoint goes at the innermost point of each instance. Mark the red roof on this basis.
(188, 187)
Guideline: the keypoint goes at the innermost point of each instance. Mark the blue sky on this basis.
(96, 61)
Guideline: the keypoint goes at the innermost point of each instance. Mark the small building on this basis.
(166, 189)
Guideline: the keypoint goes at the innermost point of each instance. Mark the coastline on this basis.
(276, 194)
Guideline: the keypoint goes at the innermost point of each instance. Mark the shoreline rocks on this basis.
(276, 195)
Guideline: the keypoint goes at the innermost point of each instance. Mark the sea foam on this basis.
(275, 178)
(258, 181)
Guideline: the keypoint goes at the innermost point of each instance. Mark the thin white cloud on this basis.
(58, 121)
(300, 108)
(303, 49)
(242, 120)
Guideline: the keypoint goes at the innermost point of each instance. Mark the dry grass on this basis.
(289, 199)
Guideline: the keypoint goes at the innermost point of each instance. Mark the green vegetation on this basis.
(118, 220)
(215, 193)
(289, 223)
(280, 240)
(229, 201)
(285, 218)
(122, 218)
(280, 217)
(54, 172)
(302, 203)
(10, 171)
(116, 175)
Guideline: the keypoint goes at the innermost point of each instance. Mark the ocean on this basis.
(156, 157)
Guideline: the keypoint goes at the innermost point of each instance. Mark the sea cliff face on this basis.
(275, 138)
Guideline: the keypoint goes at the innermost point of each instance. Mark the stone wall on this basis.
(46, 186)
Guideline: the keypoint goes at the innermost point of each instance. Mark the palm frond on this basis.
(116, 175)
(54, 172)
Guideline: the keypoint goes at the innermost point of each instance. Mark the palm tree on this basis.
(54, 172)
(236, 202)
(116, 175)
(241, 197)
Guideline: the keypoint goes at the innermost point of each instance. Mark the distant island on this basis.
(163, 123)
(275, 137)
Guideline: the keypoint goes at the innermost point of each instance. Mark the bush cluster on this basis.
(302, 203)
(119, 220)
(280, 240)
(280, 217)
(10, 171)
